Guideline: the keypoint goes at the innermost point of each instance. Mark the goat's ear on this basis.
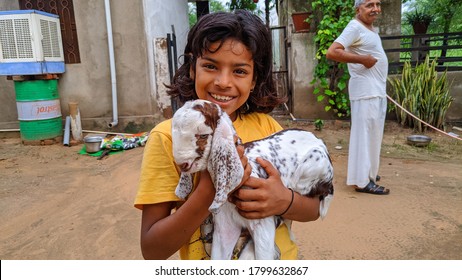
(184, 187)
(224, 164)
(324, 206)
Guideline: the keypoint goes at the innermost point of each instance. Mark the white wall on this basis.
(159, 17)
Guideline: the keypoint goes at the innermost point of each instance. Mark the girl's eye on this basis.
(209, 66)
(202, 136)
(240, 72)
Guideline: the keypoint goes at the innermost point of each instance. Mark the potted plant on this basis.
(419, 20)
(300, 20)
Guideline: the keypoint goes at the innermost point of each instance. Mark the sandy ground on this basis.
(56, 204)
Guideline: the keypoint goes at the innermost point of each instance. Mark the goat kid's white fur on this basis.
(204, 138)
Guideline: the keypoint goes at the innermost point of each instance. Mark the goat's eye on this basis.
(202, 136)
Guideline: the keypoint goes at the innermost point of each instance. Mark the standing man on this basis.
(360, 46)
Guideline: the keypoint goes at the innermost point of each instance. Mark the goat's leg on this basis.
(225, 234)
(263, 234)
(248, 252)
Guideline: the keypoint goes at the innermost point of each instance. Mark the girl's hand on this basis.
(163, 232)
(206, 188)
(260, 198)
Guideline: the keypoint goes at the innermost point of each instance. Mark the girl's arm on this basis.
(162, 233)
(267, 197)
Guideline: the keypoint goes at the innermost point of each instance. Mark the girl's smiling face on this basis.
(225, 77)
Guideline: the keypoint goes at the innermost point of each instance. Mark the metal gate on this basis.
(172, 63)
(281, 67)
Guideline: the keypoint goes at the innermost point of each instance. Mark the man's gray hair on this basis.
(359, 2)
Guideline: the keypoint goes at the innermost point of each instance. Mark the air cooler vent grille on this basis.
(30, 36)
(16, 39)
(50, 42)
(30, 43)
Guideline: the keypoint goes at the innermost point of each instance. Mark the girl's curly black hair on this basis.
(245, 27)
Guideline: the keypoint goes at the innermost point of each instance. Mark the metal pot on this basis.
(92, 143)
(419, 140)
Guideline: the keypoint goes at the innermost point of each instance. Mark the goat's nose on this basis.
(184, 166)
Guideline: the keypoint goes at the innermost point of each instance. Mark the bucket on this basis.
(39, 109)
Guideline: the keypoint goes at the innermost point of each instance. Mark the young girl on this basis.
(228, 61)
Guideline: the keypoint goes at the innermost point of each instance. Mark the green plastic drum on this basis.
(39, 109)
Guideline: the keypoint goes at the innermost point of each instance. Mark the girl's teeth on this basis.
(221, 98)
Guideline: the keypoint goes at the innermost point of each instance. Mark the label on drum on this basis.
(38, 110)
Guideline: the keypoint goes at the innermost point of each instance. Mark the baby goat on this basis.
(204, 138)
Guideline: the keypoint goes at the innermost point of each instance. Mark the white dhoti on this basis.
(367, 124)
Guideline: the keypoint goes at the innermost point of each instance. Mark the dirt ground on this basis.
(57, 204)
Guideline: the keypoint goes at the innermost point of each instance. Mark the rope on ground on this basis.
(409, 113)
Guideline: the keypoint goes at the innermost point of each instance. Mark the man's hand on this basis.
(369, 61)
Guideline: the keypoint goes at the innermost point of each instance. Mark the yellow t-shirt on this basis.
(159, 177)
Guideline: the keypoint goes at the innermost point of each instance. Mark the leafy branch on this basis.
(330, 78)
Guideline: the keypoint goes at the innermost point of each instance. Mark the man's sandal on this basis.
(372, 188)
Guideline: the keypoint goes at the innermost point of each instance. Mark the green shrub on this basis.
(330, 78)
(423, 93)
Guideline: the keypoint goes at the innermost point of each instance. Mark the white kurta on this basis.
(367, 92)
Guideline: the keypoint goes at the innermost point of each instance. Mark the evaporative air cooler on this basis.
(30, 43)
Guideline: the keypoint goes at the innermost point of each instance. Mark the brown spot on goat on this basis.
(211, 116)
(210, 113)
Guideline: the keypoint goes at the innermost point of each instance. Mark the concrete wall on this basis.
(389, 23)
(158, 22)
(136, 25)
(455, 110)
(89, 82)
(8, 111)
(301, 53)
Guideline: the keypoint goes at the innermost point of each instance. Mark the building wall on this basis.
(162, 17)
(89, 82)
(8, 111)
(455, 110)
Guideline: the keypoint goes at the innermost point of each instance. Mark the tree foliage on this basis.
(330, 78)
(215, 6)
(252, 6)
(447, 14)
(249, 5)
